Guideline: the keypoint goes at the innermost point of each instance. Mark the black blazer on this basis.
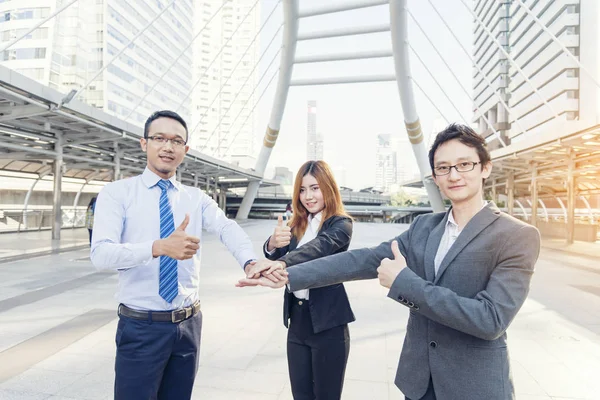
(329, 306)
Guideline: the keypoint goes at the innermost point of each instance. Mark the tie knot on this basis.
(164, 184)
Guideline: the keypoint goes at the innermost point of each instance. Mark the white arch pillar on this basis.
(286, 66)
(587, 205)
(522, 209)
(57, 190)
(562, 205)
(400, 48)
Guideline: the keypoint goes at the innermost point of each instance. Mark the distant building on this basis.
(573, 97)
(314, 140)
(284, 176)
(71, 48)
(224, 60)
(386, 172)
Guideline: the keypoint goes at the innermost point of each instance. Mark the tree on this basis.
(402, 199)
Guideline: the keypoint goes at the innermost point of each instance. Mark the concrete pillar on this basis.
(534, 196)
(223, 198)
(196, 180)
(494, 192)
(26, 202)
(510, 192)
(57, 194)
(286, 66)
(117, 160)
(571, 198)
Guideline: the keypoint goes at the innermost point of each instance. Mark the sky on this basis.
(351, 116)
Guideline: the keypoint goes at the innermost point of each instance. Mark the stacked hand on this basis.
(265, 273)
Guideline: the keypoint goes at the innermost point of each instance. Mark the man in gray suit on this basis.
(463, 274)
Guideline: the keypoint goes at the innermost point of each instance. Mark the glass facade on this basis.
(154, 72)
(224, 79)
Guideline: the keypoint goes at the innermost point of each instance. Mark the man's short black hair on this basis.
(165, 114)
(467, 136)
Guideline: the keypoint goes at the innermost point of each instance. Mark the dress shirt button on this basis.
(300, 302)
(433, 344)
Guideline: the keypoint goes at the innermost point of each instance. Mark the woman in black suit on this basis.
(318, 340)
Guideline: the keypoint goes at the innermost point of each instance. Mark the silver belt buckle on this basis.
(188, 312)
(174, 317)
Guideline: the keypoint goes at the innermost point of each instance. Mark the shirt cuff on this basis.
(248, 262)
(269, 252)
(143, 252)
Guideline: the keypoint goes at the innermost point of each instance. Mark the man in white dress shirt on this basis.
(149, 228)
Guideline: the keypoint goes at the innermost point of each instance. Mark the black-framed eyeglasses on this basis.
(162, 140)
(466, 166)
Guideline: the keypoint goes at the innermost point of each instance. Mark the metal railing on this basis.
(40, 218)
(362, 197)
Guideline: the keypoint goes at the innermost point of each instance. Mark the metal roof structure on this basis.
(39, 125)
(549, 155)
(546, 158)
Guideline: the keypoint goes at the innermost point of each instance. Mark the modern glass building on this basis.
(571, 96)
(225, 56)
(72, 48)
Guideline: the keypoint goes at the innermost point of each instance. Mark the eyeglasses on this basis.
(162, 141)
(466, 166)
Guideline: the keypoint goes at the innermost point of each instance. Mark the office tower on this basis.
(225, 54)
(314, 140)
(68, 51)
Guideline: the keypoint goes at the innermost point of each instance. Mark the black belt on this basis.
(174, 316)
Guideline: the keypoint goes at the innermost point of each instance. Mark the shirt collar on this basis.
(150, 179)
(315, 219)
(452, 221)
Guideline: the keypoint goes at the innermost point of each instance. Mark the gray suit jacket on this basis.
(456, 330)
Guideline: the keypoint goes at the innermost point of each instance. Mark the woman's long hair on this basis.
(92, 204)
(331, 196)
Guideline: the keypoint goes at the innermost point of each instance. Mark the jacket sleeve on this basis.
(490, 312)
(352, 265)
(327, 242)
(277, 253)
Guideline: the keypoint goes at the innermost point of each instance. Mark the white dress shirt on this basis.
(312, 230)
(451, 233)
(127, 222)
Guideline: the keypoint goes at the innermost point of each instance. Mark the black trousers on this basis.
(156, 360)
(316, 361)
(429, 394)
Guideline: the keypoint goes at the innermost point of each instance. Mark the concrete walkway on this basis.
(16, 246)
(58, 321)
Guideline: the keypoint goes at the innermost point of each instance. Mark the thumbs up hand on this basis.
(179, 245)
(389, 269)
(281, 236)
(184, 223)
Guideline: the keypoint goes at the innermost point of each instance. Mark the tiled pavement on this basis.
(57, 326)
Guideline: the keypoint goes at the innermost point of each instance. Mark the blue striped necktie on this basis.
(167, 281)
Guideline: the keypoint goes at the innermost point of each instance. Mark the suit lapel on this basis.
(474, 227)
(433, 242)
(293, 243)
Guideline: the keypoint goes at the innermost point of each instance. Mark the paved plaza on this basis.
(58, 321)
